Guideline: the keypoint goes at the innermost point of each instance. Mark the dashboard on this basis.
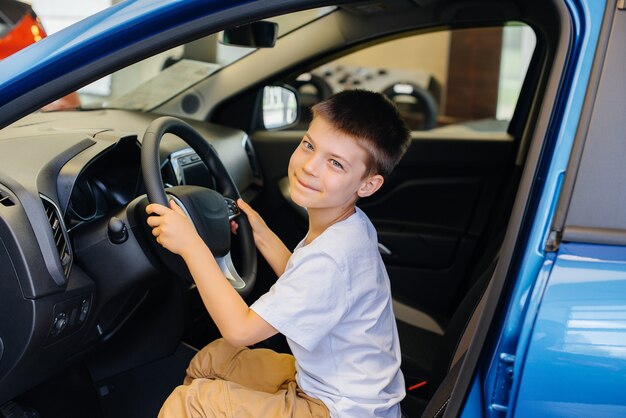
(64, 178)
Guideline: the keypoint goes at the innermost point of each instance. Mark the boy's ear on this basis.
(370, 185)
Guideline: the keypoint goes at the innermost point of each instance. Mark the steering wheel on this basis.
(209, 210)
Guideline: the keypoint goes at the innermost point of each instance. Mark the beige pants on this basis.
(224, 381)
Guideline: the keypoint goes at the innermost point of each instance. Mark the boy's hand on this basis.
(272, 248)
(257, 223)
(172, 228)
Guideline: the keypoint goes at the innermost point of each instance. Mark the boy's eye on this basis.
(307, 145)
(336, 163)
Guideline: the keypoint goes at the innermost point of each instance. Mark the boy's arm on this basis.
(268, 243)
(238, 324)
(274, 251)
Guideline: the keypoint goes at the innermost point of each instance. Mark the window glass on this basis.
(279, 107)
(470, 77)
(518, 44)
(177, 69)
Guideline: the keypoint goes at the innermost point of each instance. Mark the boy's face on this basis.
(327, 170)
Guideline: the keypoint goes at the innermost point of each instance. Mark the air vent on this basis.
(59, 234)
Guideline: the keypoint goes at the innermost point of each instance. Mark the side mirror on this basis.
(253, 35)
(280, 107)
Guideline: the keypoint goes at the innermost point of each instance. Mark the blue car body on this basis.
(574, 362)
(559, 349)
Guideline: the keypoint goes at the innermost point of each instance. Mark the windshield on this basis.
(151, 82)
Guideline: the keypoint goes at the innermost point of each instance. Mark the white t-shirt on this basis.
(333, 303)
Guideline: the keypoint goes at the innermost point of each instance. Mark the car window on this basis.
(471, 76)
(177, 69)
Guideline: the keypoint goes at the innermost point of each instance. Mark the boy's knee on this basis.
(202, 398)
(175, 406)
(212, 361)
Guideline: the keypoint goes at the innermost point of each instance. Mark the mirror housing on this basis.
(260, 34)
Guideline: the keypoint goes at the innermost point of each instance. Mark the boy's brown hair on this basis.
(373, 120)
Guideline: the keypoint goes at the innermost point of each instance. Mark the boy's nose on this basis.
(310, 166)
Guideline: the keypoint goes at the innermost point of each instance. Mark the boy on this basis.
(332, 299)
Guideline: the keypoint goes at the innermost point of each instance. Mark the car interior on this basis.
(96, 321)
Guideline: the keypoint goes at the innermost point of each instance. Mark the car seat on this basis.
(452, 346)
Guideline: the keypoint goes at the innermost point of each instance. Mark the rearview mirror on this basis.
(254, 35)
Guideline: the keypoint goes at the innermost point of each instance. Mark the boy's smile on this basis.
(305, 185)
(327, 170)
